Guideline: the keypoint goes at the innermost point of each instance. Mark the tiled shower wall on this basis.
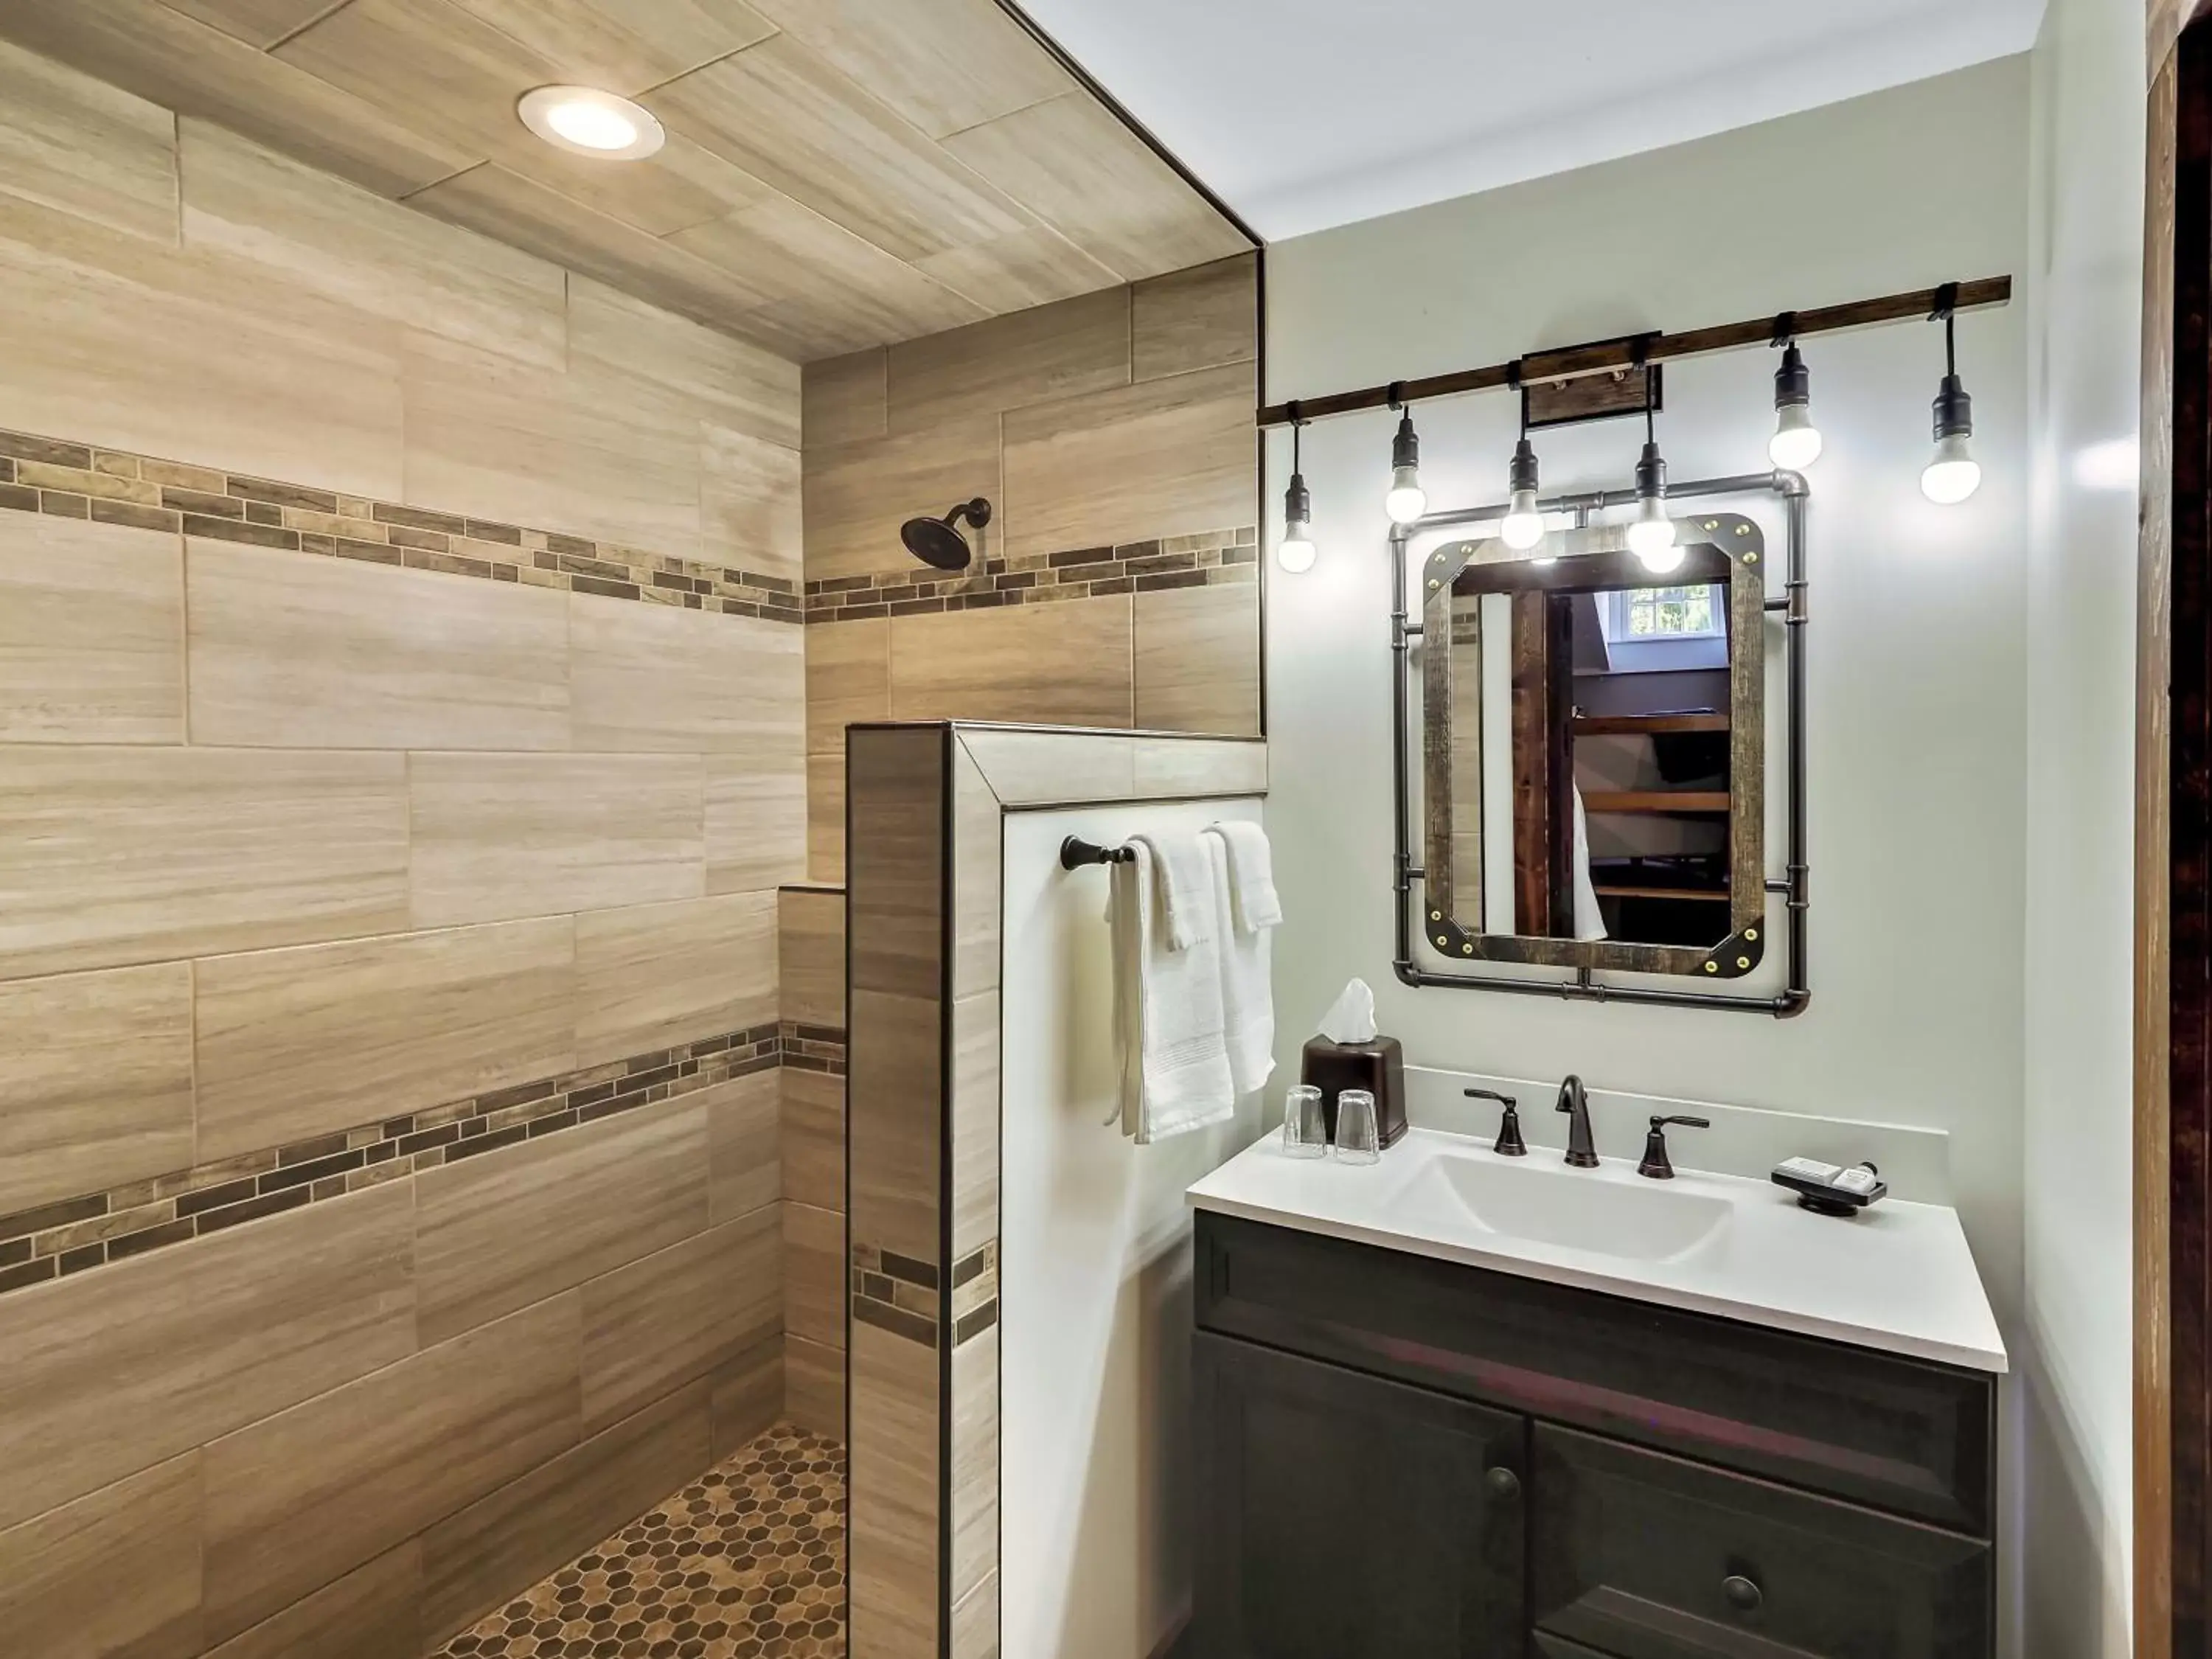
(814, 1158)
(401, 746)
(1118, 582)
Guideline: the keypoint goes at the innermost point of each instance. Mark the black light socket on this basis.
(1522, 475)
(1955, 410)
(1793, 381)
(1652, 474)
(1298, 501)
(1405, 448)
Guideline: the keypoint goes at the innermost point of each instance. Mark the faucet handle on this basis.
(1509, 1144)
(1655, 1163)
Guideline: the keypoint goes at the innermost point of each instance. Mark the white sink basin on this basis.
(1899, 1277)
(1565, 1209)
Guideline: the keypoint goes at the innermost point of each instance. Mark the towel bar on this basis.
(1075, 853)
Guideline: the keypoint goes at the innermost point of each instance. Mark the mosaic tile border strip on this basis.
(895, 1293)
(899, 1294)
(1212, 558)
(974, 1294)
(112, 486)
(748, 1562)
(56, 1240)
(813, 1048)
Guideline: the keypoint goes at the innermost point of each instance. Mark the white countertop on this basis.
(1899, 1276)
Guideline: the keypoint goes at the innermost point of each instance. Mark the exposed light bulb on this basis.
(1652, 539)
(1953, 474)
(1406, 500)
(1652, 534)
(1295, 552)
(1796, 442)
(1524, 526)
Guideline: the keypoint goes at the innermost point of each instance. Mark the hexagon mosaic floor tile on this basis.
(747, 1563)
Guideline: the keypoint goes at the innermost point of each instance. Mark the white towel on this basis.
(1589, 920)
(1253, 900)
(1186, 906)
(1247, 998)
(1167, 1023)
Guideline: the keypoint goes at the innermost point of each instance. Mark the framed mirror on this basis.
(1593, 752)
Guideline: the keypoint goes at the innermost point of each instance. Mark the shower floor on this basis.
(748, 1562)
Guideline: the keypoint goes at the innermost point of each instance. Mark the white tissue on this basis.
(1350, 1018)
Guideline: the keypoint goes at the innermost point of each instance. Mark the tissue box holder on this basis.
(1378, 1067)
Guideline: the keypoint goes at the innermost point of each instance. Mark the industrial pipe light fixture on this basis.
(1406, 500)
(1524, 526)
(1652, 534)
(1953, 474)
(1295, 552)
(1795, 444)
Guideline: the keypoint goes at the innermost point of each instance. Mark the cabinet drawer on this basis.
(1900, 1434)
(1647, 1557)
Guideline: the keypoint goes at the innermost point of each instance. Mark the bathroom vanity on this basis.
(1433, 1420)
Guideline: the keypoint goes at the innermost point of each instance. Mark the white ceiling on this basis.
(1302, 114)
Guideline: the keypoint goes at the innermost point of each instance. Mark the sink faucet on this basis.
(1574, 1100)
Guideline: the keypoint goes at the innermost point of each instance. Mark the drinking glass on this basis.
(1356, 1139)
(1305, 1130)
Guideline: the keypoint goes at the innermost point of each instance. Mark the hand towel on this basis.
(1168, 1023)
(1247, 998)
(1589, 920)
(1180, 871)
(1252, 901)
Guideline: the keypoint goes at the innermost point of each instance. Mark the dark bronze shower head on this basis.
(938, 543)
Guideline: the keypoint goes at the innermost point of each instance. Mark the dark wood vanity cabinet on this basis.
(1397, 1530)
(1399, 1458)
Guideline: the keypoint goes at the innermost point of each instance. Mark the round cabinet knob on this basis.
(1742, 1595)
(1504, 1484)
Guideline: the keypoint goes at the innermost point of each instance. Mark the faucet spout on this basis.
(1574, 1100)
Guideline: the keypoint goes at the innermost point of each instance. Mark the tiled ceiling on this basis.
(839, 174)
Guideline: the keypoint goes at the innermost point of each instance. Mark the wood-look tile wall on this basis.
(1118, 583)
(895, 1142)
(812, 1144)
(422, 919)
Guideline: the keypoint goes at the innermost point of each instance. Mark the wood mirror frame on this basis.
(1719, 547)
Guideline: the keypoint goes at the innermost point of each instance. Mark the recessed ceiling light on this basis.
(591, 123)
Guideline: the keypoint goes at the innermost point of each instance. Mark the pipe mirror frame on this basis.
(1742, 543)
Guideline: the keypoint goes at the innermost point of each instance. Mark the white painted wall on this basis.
(2085, 320)
(1094, 1274)
(1919, 667)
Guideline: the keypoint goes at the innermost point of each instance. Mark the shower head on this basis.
(938, 543)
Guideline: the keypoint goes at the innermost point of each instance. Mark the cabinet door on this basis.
(1344, 1517)
(1645, 1557)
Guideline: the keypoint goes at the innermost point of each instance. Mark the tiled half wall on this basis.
(928, 806)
